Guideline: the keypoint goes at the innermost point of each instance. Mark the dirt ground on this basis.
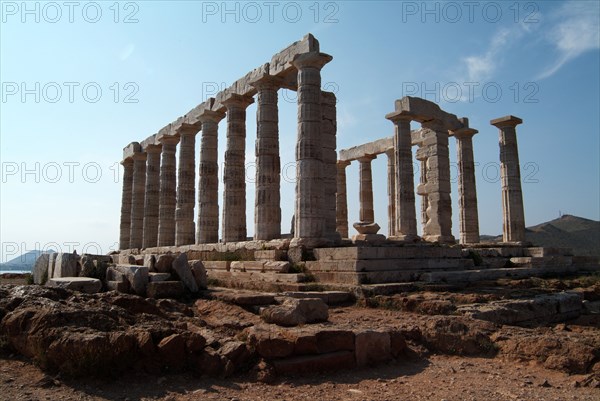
(435, 378)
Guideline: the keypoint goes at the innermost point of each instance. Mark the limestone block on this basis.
(66, 265)
(293, 312)
(81, 284)
(422, 110)
(164, 263)
(150, 262)
(137, 277)
(51, 264)
(182, 269)
(199, 272)
(165, 289)
(119, 286)
(281, 63)
(40, 268)
(153, 277)
(372, 347)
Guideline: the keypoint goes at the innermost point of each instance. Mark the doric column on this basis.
(309, 225)
(341, 199)
(439, 211)
(125, 226)
(366, 213)
(234, 174)
(424, 199)
(207, 227)
(267, 207)
(391, 187)
(406, 220)
(467, 192)
(136, 235)
(168, 193)
(510, 173)
(328, 135)
(151, 207)
(186, 177)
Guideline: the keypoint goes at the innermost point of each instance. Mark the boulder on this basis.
(164, 263)
(199, 272)
(81, 284)
(293, 312)
(40, 269)
(66, 265)
(372, 347)
(172, 351)
(182, 269)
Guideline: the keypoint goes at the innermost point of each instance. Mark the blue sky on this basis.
(82, 80)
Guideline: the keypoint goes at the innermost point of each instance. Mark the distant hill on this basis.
(579, 234)
(24, 262)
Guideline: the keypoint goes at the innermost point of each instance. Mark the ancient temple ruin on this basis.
(157, 212)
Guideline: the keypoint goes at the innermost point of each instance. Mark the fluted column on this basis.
(341, 199)
(186, 177)
(207, 227)
(467, 192)
(391, 187)
(125, 226)
(406, 220)
(151, 206)
(136, 236)
(267, 207)
(329, 141)
(234, 174)
(168, 193)
(366, 213)
(309, 224)
(424, 199)
(510, 174)
(439, 211)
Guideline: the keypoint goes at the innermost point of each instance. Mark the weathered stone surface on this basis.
(136, 235)
(151, 199)
(164, 263)
(81, 284)
(153, 276)
(40, 269)
(126, 199)
(309, 364)
(165, 289)
(167, 195)
(119, 286)
(94, 266)
(66, 265)
(172, 350)
(282, 61)
(372, 347)
(199, 272)
(182, 269)
(293, 312)
(137, 277)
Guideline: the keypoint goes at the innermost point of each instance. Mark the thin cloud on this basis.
(577, 33)
(481, 67)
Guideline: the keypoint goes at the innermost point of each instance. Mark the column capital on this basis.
(464, 133)
(186, 129)
(506, 121)
(131, 149)
(343, 163)
(234, 99)
(128, 161)
(390, 153)
(311, 60)
(139, 156)
(211, 116)
(398, 116)
(168, 139)
(153, 148)
(367, 158)
(267, 82)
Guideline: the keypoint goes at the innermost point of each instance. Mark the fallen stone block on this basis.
(81, 284)
(294, 311)
(372, 347)
(164, 263)
(137, 277)
(165, 289)
(40, 268)
(182, 269)
(199, 273)
(153, 276)
(119, 286)
(66, 265)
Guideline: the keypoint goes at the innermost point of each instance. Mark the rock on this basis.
(309, 364)
(236, 352)
(372, 347)
(51, 264)
(95, 266)
(137, 277)
(40, 269)
(182, 270)
(150, 262)
(131, 260)
(153, 276)
(81, 284)
(164, 263)
(165, 289)
(294, 311)
(66, 265)
(199, 273)
(119, 286)
(172, 351)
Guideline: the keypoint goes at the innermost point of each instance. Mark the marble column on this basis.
(186, 192)
(439, 211)
(151, 205)
(125, 225)
(207, 227)
(308, 217)
(391, 188)
(406, 220)
(168, 193)
(366, 212)
(267, 207)
(341, 199)
(234, 173)
(329, 141)
(424, 199)
(467, 192)
(510, 175)
(136, 236)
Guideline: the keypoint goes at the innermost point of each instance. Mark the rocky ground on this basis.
(56, 344)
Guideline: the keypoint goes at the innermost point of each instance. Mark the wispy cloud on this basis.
(483, 66)
(577, 32)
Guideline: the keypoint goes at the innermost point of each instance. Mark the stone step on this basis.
(329, 297)
(494, 274)
(387, 252)
(152, 276)
(258, 276)
(391, 264)
(545, 261)
(270, 255)
(261, 266)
